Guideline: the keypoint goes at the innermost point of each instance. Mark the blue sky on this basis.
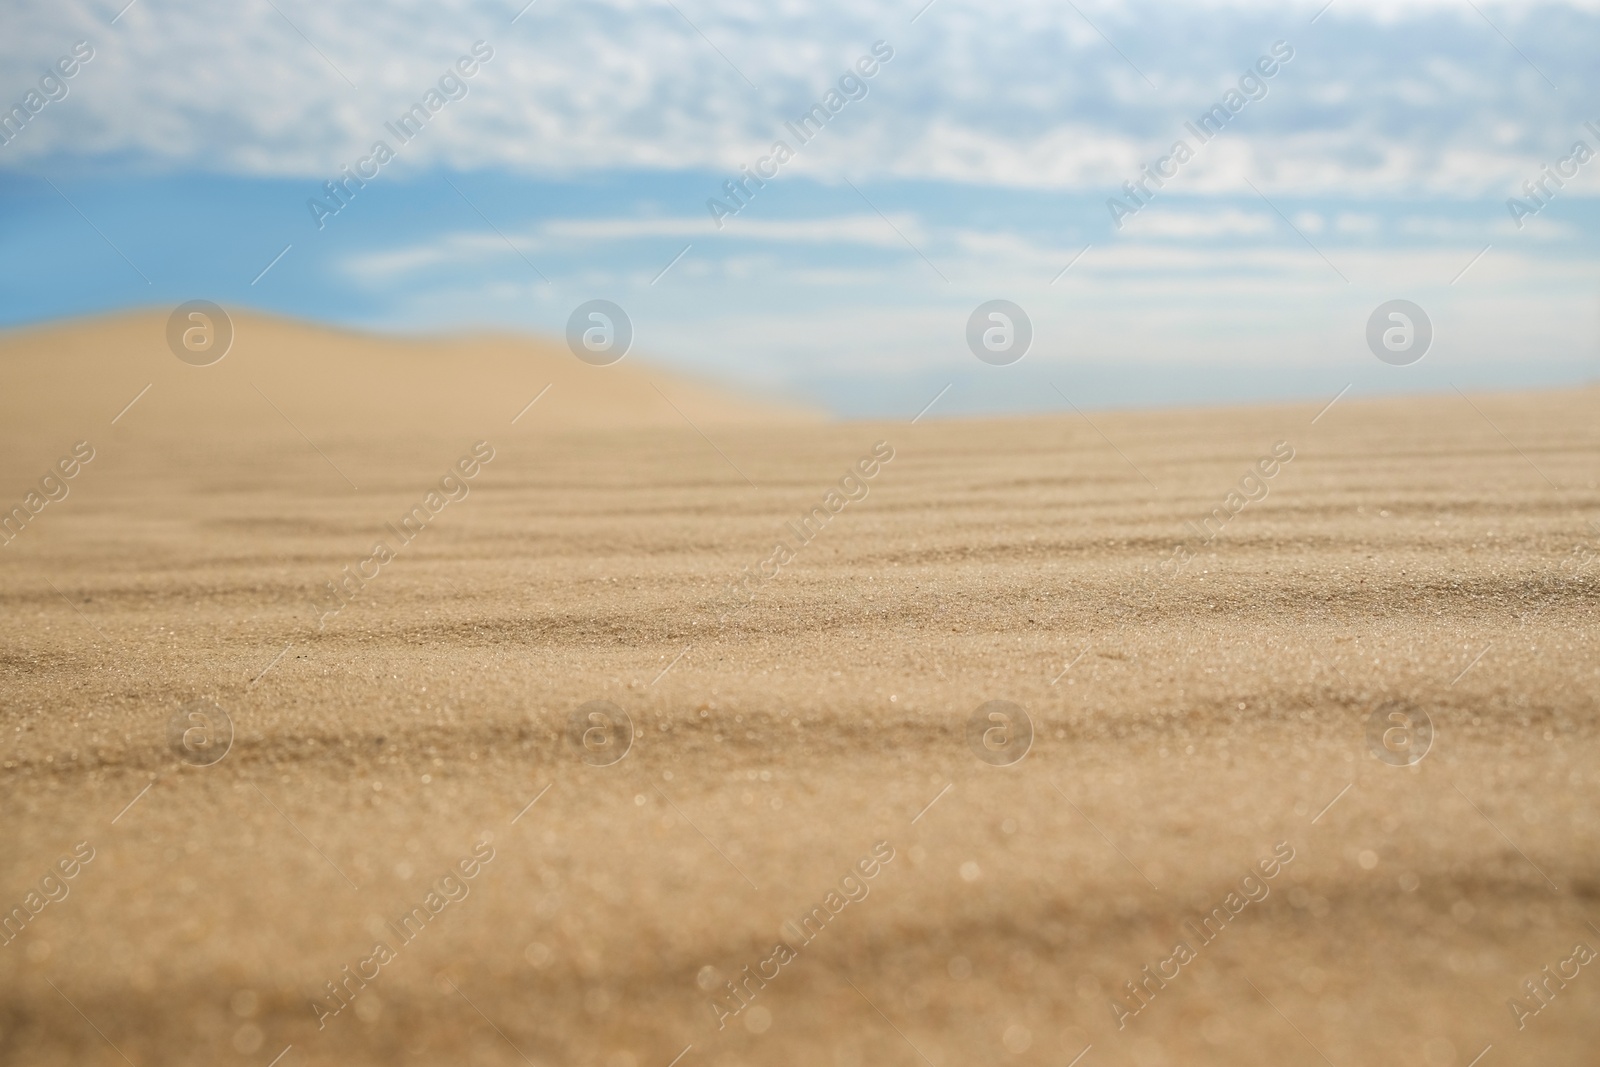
(977, 163)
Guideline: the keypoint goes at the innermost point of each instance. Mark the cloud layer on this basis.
(1367, 152)
(1379, 98)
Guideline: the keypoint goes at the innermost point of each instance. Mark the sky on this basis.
(565, 151)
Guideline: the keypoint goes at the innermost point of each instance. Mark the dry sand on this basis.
(1429, 556)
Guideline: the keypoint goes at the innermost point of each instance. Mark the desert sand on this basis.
(1198, 720)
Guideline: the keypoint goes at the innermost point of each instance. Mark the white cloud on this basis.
(845, 229)
(1154, 222)
(1029, 99)
(463, 247)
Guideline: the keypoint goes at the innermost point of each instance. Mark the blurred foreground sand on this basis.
(1409, 557)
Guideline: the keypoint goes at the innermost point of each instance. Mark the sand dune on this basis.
(344, 383)
(1191, 721)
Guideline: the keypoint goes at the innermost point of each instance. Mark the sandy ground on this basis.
(1194, 718)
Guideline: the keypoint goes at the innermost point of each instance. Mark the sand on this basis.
(1195, 718)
